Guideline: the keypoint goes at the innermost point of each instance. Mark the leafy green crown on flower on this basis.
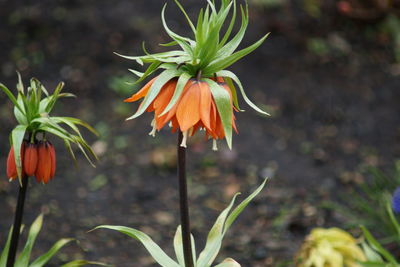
(32, 109)
(204, 58)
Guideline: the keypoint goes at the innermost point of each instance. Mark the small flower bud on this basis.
(30, 159)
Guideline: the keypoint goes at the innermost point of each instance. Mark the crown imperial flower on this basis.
(32, 108)
(193, 90)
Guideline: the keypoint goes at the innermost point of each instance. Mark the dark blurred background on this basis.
(328, 74)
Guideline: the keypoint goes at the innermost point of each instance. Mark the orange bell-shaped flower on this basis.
(195, 109)
(11, 166)
(30, 159)
(46, 166)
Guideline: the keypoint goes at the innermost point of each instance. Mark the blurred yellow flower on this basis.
(331, 247)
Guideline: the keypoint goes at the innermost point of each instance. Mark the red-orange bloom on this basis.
(30, 159)
(194, 110)
(46, 166)
(11, 165)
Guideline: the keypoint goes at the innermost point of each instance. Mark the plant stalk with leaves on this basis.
(35, 155)
(194, 91)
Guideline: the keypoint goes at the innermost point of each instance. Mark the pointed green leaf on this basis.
(371, 254)
(23, 259)
(43, 259)
(17, 137)
(180, 85)
(160, 81)
(186, 16)
(11, 97)
(234, 93)
(78, 263)
(178, 246)
(155, 251)
(378, 247)
(235, 213)
(227, 61)
(229, 74)
(20, 84)
(182, 41)
(4, 253)
(214, 239)
(228, 262)
(223, 102)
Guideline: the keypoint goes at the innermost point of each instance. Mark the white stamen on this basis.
(153, 131)
(215, 147)
(170, 124)
(184, 139)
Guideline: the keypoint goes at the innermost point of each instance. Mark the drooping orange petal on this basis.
(142, 92)
(43, 170)
(163, 98)
(172, 112)
(30, 159)
(196, 127)
(11, 167)
(53, 160)
(161, 102)
(175, 124)
(205, 103)
(188, 112)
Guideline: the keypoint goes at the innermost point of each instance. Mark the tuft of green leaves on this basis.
(32, 108)
(213, 244)
(23, 260)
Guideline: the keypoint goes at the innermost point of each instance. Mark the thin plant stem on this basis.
(184, 204)
(19, 212)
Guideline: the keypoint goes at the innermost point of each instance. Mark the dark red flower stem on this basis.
(184, 204)
(19, 212)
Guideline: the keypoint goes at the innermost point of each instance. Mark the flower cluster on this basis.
(38, 159)
(194, 90)
(195, 109)
(32, 108)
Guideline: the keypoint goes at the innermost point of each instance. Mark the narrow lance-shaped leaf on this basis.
(235, 213)
(78, 263)
(234, 93)
(161, 80)
(155, 251)
(43, 259)
(17, 137)
(229, 74)
(378, 247)
(11, 97)
(23, 259)
(182, 41)
(180, 85)
(228, 263)
(186, 16)
(214, 238)
(227, 61)
(4, 253)
(178, 246)
(223, 102)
